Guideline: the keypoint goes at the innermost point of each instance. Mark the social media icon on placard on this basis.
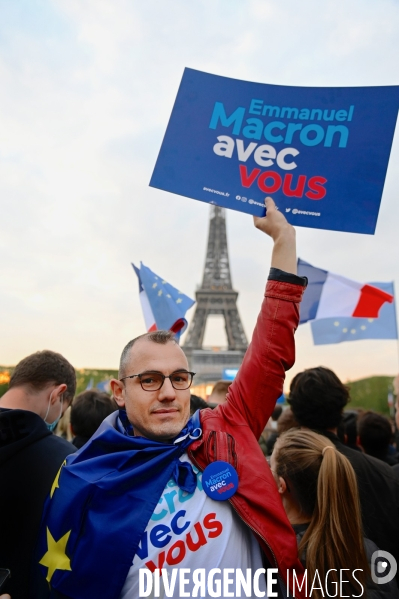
(383, 567)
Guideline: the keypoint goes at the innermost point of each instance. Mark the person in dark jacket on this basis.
(41, 388)
(87, 413)
(317, 399)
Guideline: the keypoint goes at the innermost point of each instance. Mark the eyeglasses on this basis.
(153, 381)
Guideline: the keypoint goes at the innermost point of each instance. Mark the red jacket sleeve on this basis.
(259, 382)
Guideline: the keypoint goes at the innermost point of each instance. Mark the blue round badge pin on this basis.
(220, 480)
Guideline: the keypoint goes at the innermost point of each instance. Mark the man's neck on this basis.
(18, 398)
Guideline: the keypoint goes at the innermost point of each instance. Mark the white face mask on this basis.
(51, 426)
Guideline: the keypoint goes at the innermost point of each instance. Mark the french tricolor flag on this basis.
(330, 296)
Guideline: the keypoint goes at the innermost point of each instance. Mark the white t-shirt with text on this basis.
(193, 531)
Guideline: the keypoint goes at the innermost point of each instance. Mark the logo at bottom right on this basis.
(383, 567)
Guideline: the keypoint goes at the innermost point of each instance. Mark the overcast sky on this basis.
(86, 90)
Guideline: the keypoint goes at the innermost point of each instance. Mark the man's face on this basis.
(158, 415)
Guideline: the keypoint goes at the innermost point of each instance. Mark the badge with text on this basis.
(220, 480)
(321, 152)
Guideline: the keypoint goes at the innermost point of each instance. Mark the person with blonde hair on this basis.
(319, 492)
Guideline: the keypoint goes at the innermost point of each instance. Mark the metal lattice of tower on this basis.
(216, 294)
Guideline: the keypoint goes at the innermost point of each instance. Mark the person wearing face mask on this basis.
(41, 388)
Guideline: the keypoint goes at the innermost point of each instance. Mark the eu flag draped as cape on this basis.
(100, 504)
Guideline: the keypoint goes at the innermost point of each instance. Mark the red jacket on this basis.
(232, 430)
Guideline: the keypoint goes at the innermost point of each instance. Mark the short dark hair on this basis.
(162, 337)
(375, 433)
(89, 410)
(349, 427)
(278, 410)
(317, 398)
(44, 368)
(197, 403)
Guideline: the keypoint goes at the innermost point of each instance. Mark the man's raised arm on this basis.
(259, 382)
(276, 226)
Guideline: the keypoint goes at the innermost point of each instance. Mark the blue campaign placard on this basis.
(321, 152)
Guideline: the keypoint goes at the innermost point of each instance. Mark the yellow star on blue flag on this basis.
(55, 484)
(56, 558)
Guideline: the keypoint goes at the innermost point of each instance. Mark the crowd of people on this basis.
(317, 484)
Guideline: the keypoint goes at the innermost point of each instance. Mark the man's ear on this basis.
(57, 393)
(117, 388)
(281, 485)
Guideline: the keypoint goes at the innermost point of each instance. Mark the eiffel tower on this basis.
(215, 296)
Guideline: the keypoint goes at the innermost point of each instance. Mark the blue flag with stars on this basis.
(168, 304)
(335, 330)
(100, 504)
